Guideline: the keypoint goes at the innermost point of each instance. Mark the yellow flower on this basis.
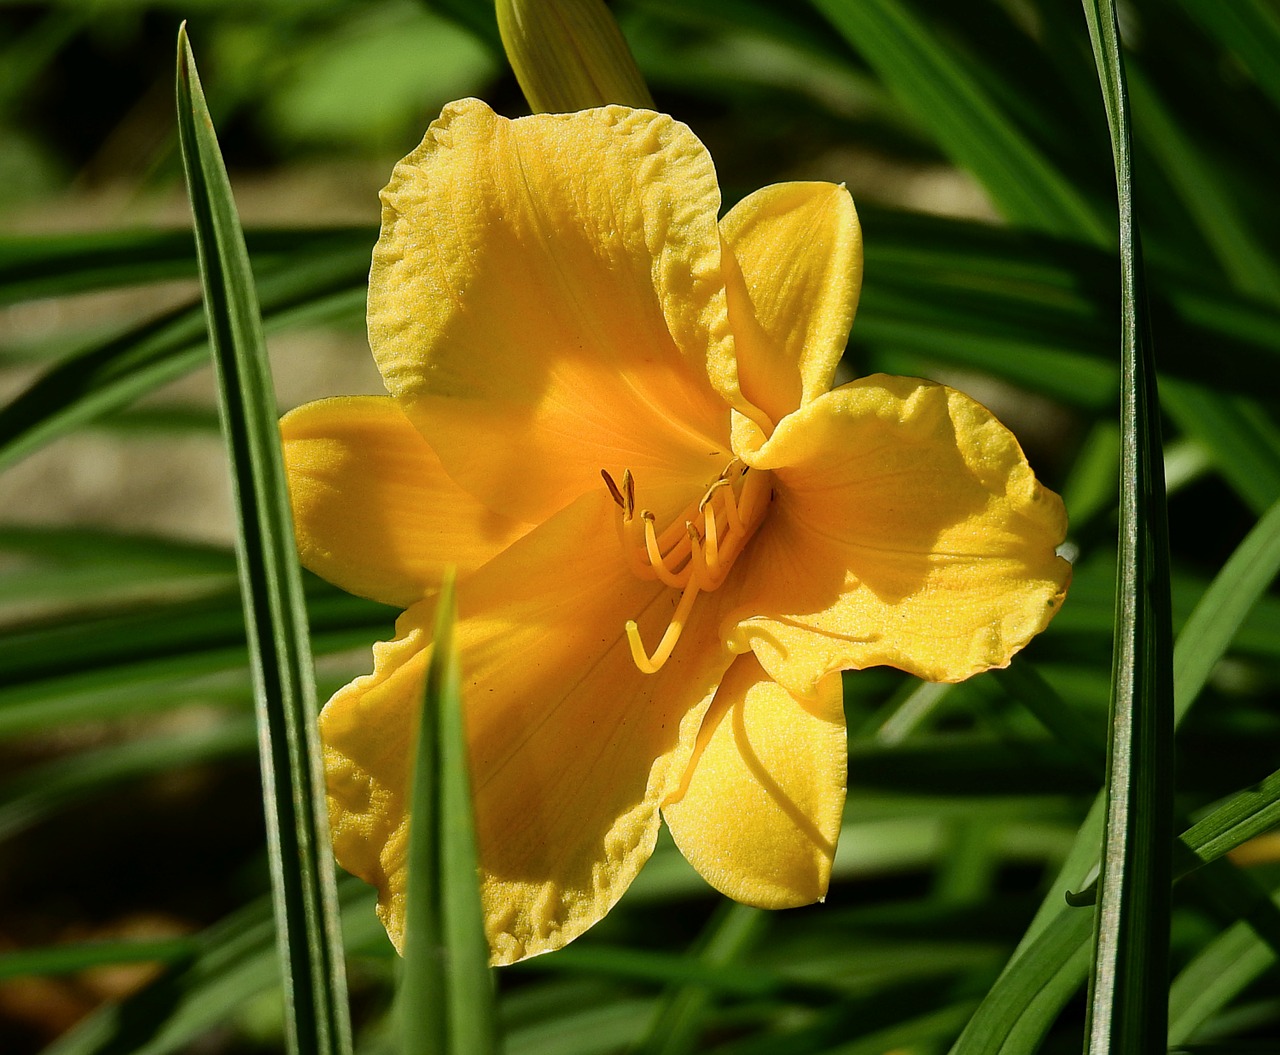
(611, 413)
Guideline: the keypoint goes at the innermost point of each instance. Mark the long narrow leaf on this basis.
(306, 907)
(113, 374)
(679, 1018)
(973, 126)
(1223, 607)
(57, 265)
(1202, 642)
(26, 799)
(1221, 970)
(1129, 997)
(233, 962)
(1043, 974)
(82, 956)
(1199, 185)
(1251, 29)
(446, 989)
(1236, 821)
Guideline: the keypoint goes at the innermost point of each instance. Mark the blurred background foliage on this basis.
(132, 871)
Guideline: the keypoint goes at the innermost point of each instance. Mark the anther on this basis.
(613, 488)
(629, 493)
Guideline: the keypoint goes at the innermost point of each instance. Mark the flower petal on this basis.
(759, 813)
(907, 530)
(799, 248)
(542, 300)
(373, 509)
(572, 749)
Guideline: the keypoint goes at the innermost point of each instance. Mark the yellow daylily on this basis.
(612, 413)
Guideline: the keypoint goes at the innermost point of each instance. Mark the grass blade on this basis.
(1250, 29)
(113, 374)
(28, 798)
(1236, 821)
(1223, 607)
(1239, 435)
(1128, 994)
(678, 1020)
(309, 939)
(445, 997)
(151, 664)
(232, 962)
(1219, 973)
(82, 956)
(1204, 639)
(1202, 192)
(951, 100)
(59, 265)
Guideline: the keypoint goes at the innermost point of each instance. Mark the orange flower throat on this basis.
(695, 552)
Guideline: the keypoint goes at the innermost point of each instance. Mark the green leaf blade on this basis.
(976, 130)
(309, 940)
(1128, 991)
(446, 994)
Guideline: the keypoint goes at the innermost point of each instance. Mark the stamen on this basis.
(732, 513)
(712, 537)
(656, 558)
(631, 539)
(706, 499)
(696, 551)
(652, 664)
(697, 558)
(630, 534)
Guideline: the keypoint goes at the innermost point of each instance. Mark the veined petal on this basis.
(759, 811)
(572, 749)
(907, 530)
(543, 298)
(374, 511)
(794, 290)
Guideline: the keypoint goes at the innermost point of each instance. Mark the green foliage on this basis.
(313, 972)
(445, 994)
(962, 908)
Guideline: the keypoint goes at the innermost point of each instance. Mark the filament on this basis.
(656, 559)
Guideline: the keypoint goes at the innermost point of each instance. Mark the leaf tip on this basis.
(186, 57)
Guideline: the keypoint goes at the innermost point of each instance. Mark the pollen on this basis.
(695, 552)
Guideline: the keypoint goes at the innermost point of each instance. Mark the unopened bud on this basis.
(569, 55)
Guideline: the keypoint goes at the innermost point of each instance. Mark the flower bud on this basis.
(569, 55)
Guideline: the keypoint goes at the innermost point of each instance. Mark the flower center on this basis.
(693, 553)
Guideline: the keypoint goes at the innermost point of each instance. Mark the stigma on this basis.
(695, 552)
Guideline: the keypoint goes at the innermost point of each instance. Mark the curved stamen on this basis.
(652, 664)
(711, 537)
(698, 559)
(732, 513)
(630, 534)
(656, 559)
(711, 492)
